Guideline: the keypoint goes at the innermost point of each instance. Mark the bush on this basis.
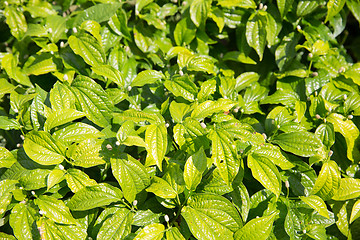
(227, 119)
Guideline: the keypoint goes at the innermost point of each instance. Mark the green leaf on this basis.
(354, 7)
(237, 3)
(92, 100)
(55, 209)
(211, 216)
(22, 221)
(42, 148)
(5, 236)
(207, 88)
(141, 4)
(6, 158)
(284, 6)
(95, 196)
(246, 79)
(209, 107)
(306, 7)
(16, 21)
(9, 123)
(98, 13)
(178, 111)
(334, 7)
(147, 77)
(118, 23)
(161, 188)
(156, 142)
(57, 24)
(110, 73)
(143, 218)
(355, 212)
(77, 180)
(137, 116)
(353, 73)
(40, 64)
(350, 132)
(60, 117)
(185, 32)
(6, 188)
(153, 231)
(88, 48)
(182, 86)
(224, 155)
(5, 86)
(285, 52)
(173, 233)
(316, 203)
(256, 229)
(9, 62)
(265, 172)
(52, 230)
(86, 154)
(256, 34)
(199, 10)
(131, 175)
(241, 199)
(349, 188)
(328, 181)
(194, 167)
(326, 133)
(76, 132)
(304, 144)
(54, 177)
(273, 154)
(118, 226)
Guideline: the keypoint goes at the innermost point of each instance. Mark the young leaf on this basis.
(156, 142)
(16, 21)
(210, 216)
(349, 188)
(224, 155)
(355, 212)
(316, 203)
(334, 7)
(52, 230)
(88, 48)
(265, 172)
(22, 221)
(77, 180)
(173, 233)
(199, 11)
(60, 117)
(258, 228)
(161, 188)
(304, 144)
(131, 175)
(256, 34)
(328, 181)
(42, 148)
(86, 153)
(110, 73)
(147, 77)
(91, 197)
(55, 209)
(209, 107)
(350, 132)
(153, 231)
(194, 167)
(117, 226)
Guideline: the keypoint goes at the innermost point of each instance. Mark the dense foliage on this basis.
(224, 119)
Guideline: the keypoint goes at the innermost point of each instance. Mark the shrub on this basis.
(179, 120)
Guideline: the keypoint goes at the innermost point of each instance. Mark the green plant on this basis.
(179, 120)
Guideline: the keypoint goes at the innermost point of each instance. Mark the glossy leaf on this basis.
(117, 226)
(194, 167)
(156, 142)
(199, 11)
(16, 21)
(77, 180)
(258, 228)
(153, 231)
(209, 107)
(316, 203)
(130, 174)
(91, 197)
(42, 148)
(256, 34)
(147, 77)
(328, 181)
(55, 210)
(300, 143)
(210, 216)
(22, 220)
(349, 188)
(265, 172)
(57, 118)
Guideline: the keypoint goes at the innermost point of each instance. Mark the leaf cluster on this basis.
(194, 119)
